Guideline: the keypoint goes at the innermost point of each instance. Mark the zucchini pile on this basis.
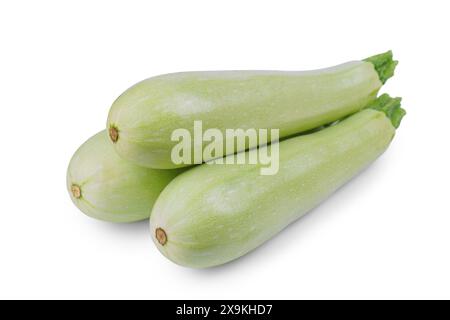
(331, 122)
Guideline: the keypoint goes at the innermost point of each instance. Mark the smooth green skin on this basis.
(147, 113)
(113, 189)
(213, 214)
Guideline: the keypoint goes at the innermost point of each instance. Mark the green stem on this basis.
(384, 64)
(391, 107)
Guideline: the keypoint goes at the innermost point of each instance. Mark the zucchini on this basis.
(107, 187)
(142, 120)
(213, 213)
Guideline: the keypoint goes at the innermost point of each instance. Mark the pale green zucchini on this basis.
(107, 187)
(143, 118)
(213, 213)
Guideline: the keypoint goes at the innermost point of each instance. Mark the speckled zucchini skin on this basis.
(143, 118)
(213, 214)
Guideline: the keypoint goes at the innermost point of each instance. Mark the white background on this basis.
(62, 63)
